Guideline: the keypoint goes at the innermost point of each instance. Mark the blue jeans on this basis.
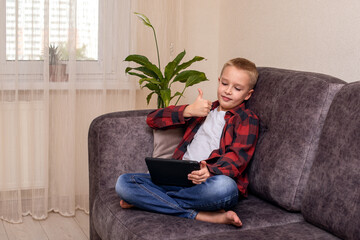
(218, 192)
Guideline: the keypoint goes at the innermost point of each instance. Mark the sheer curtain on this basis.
(48, 101)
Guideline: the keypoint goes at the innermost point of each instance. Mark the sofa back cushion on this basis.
(292, 107)
(332, 195)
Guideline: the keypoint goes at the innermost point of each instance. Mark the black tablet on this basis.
(171, 171)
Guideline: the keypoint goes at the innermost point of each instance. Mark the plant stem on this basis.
(157, 47)
(180, 96)
(160, 102)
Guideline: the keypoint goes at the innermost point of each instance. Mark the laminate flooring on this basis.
(55, 227)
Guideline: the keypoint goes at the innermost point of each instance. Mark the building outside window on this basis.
(30, 26)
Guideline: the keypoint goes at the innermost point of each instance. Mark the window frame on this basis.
(109, 67)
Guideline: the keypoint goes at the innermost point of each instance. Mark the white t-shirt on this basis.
(207, 137)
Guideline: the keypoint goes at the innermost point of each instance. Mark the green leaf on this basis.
(144, 61)
(184, 75)
(195, 79)
(170, 68)
(128, 69)
(179, 57)
(188, 63)
(176, 94)
(144, 70)
(152, 86)
(150, 80)
(145, 20)
(148, 98)
(139, 59)
(137, 74)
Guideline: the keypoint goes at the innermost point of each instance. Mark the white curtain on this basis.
(46, 107)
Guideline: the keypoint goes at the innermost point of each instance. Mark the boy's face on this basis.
(234, 88)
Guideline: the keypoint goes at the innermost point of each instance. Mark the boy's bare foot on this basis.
(124, 204)
(229, 217)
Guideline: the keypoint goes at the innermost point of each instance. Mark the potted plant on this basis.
(158, 82)
(57, 70)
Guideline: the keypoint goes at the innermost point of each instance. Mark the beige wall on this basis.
(167, 18)
(201, 28)
(320, 36)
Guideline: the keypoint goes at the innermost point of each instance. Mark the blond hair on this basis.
(246, 65)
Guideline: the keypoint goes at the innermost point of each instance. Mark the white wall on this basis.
(309, 35)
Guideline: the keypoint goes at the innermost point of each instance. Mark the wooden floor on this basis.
(55, 227)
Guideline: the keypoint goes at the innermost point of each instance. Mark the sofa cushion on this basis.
(110, 221)
(332, 196)
(292, 107)
(166, 141)
(293, 231)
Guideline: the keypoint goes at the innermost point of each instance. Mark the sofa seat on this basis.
(137, 224)
(295, 231)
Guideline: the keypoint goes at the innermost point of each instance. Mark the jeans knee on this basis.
(122, 184)
(220, 192)
(224, 185)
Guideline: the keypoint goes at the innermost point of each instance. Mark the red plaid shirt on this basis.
(237, 143)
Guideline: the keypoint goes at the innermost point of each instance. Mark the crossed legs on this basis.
(204, 202)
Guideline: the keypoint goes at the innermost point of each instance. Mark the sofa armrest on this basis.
(117, 143)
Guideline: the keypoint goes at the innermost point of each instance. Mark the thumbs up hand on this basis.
(199, 108)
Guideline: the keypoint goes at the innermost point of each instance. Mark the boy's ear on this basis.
(249, 94)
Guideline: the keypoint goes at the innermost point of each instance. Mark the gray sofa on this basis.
(304, 176)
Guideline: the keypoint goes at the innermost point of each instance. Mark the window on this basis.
(96, 32)
(30, 28)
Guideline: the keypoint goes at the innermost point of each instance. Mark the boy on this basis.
(221, 135)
